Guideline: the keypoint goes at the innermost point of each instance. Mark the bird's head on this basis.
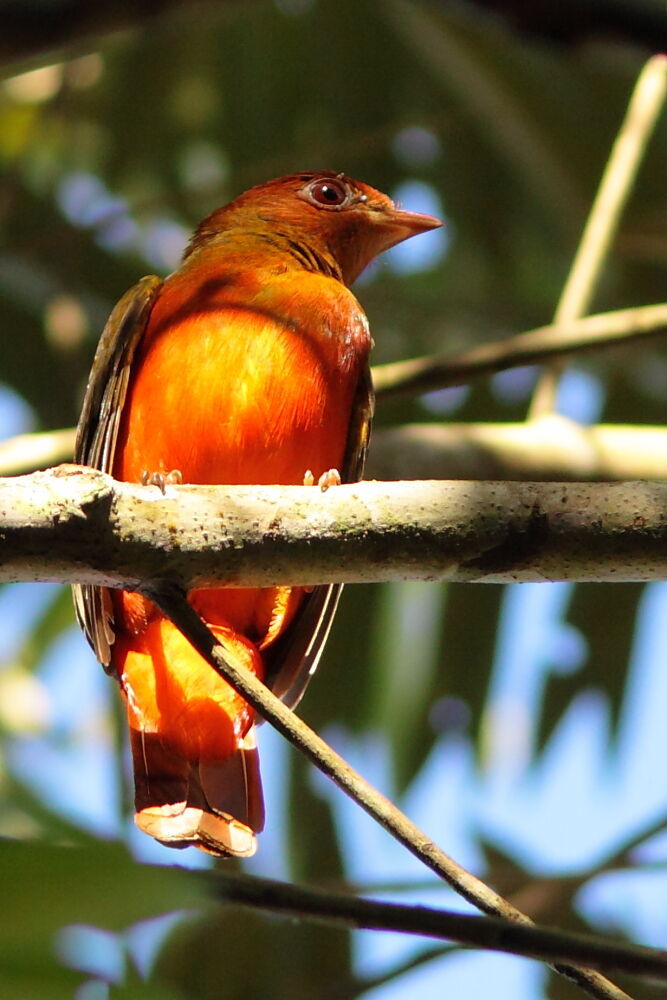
(325, 213)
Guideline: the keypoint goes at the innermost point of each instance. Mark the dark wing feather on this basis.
(97, 433)
(293, 659)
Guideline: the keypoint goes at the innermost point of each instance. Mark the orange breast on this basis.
(232, 392)
(233, 397)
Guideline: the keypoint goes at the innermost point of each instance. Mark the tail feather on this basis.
(215, 805)
(233, 786)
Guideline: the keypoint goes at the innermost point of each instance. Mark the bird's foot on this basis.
(329, 478)
(159, 479)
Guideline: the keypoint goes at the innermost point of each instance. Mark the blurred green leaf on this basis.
(98, 884)
(25, 977)
(314, 850)
(56, 617)
(343, 686)
(250, 956)
(46, 887)
(468, 642)
(406, 672)
(605, 617)
(29, 811)
(136, 988)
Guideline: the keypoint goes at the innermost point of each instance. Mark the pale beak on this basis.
(389, 226)
(397, 225)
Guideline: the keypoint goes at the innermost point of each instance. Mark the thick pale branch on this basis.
(78, 525)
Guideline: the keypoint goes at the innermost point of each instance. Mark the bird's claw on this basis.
(173, 478)
(329, 478)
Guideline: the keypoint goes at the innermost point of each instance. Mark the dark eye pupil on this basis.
(328, 193)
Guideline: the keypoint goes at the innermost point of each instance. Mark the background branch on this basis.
(438, 371)
(549, 448)
(646, 103)
(549, 894)
(32, 28)
(26, 452)
(478, 932)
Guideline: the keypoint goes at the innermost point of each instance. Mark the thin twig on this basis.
(542, 894)
(618, 178)
(173, 603)
(439, 371)
(493, 934)
(620, 855)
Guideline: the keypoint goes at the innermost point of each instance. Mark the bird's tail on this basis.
(196, 767)
(215, 805)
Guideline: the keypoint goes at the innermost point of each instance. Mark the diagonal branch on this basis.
(173, 603)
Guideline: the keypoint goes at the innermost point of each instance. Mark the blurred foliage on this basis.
(268, 954)
(117, 133)
(123, 892)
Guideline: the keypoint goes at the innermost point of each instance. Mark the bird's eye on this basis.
(330, 193)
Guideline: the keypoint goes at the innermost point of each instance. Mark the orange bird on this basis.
(247, 365)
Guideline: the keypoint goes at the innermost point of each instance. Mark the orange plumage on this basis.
(247, 365)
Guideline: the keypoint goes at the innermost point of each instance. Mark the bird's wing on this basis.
(97, 433)
(293, 659)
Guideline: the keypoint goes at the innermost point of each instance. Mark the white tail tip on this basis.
(179, 825)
